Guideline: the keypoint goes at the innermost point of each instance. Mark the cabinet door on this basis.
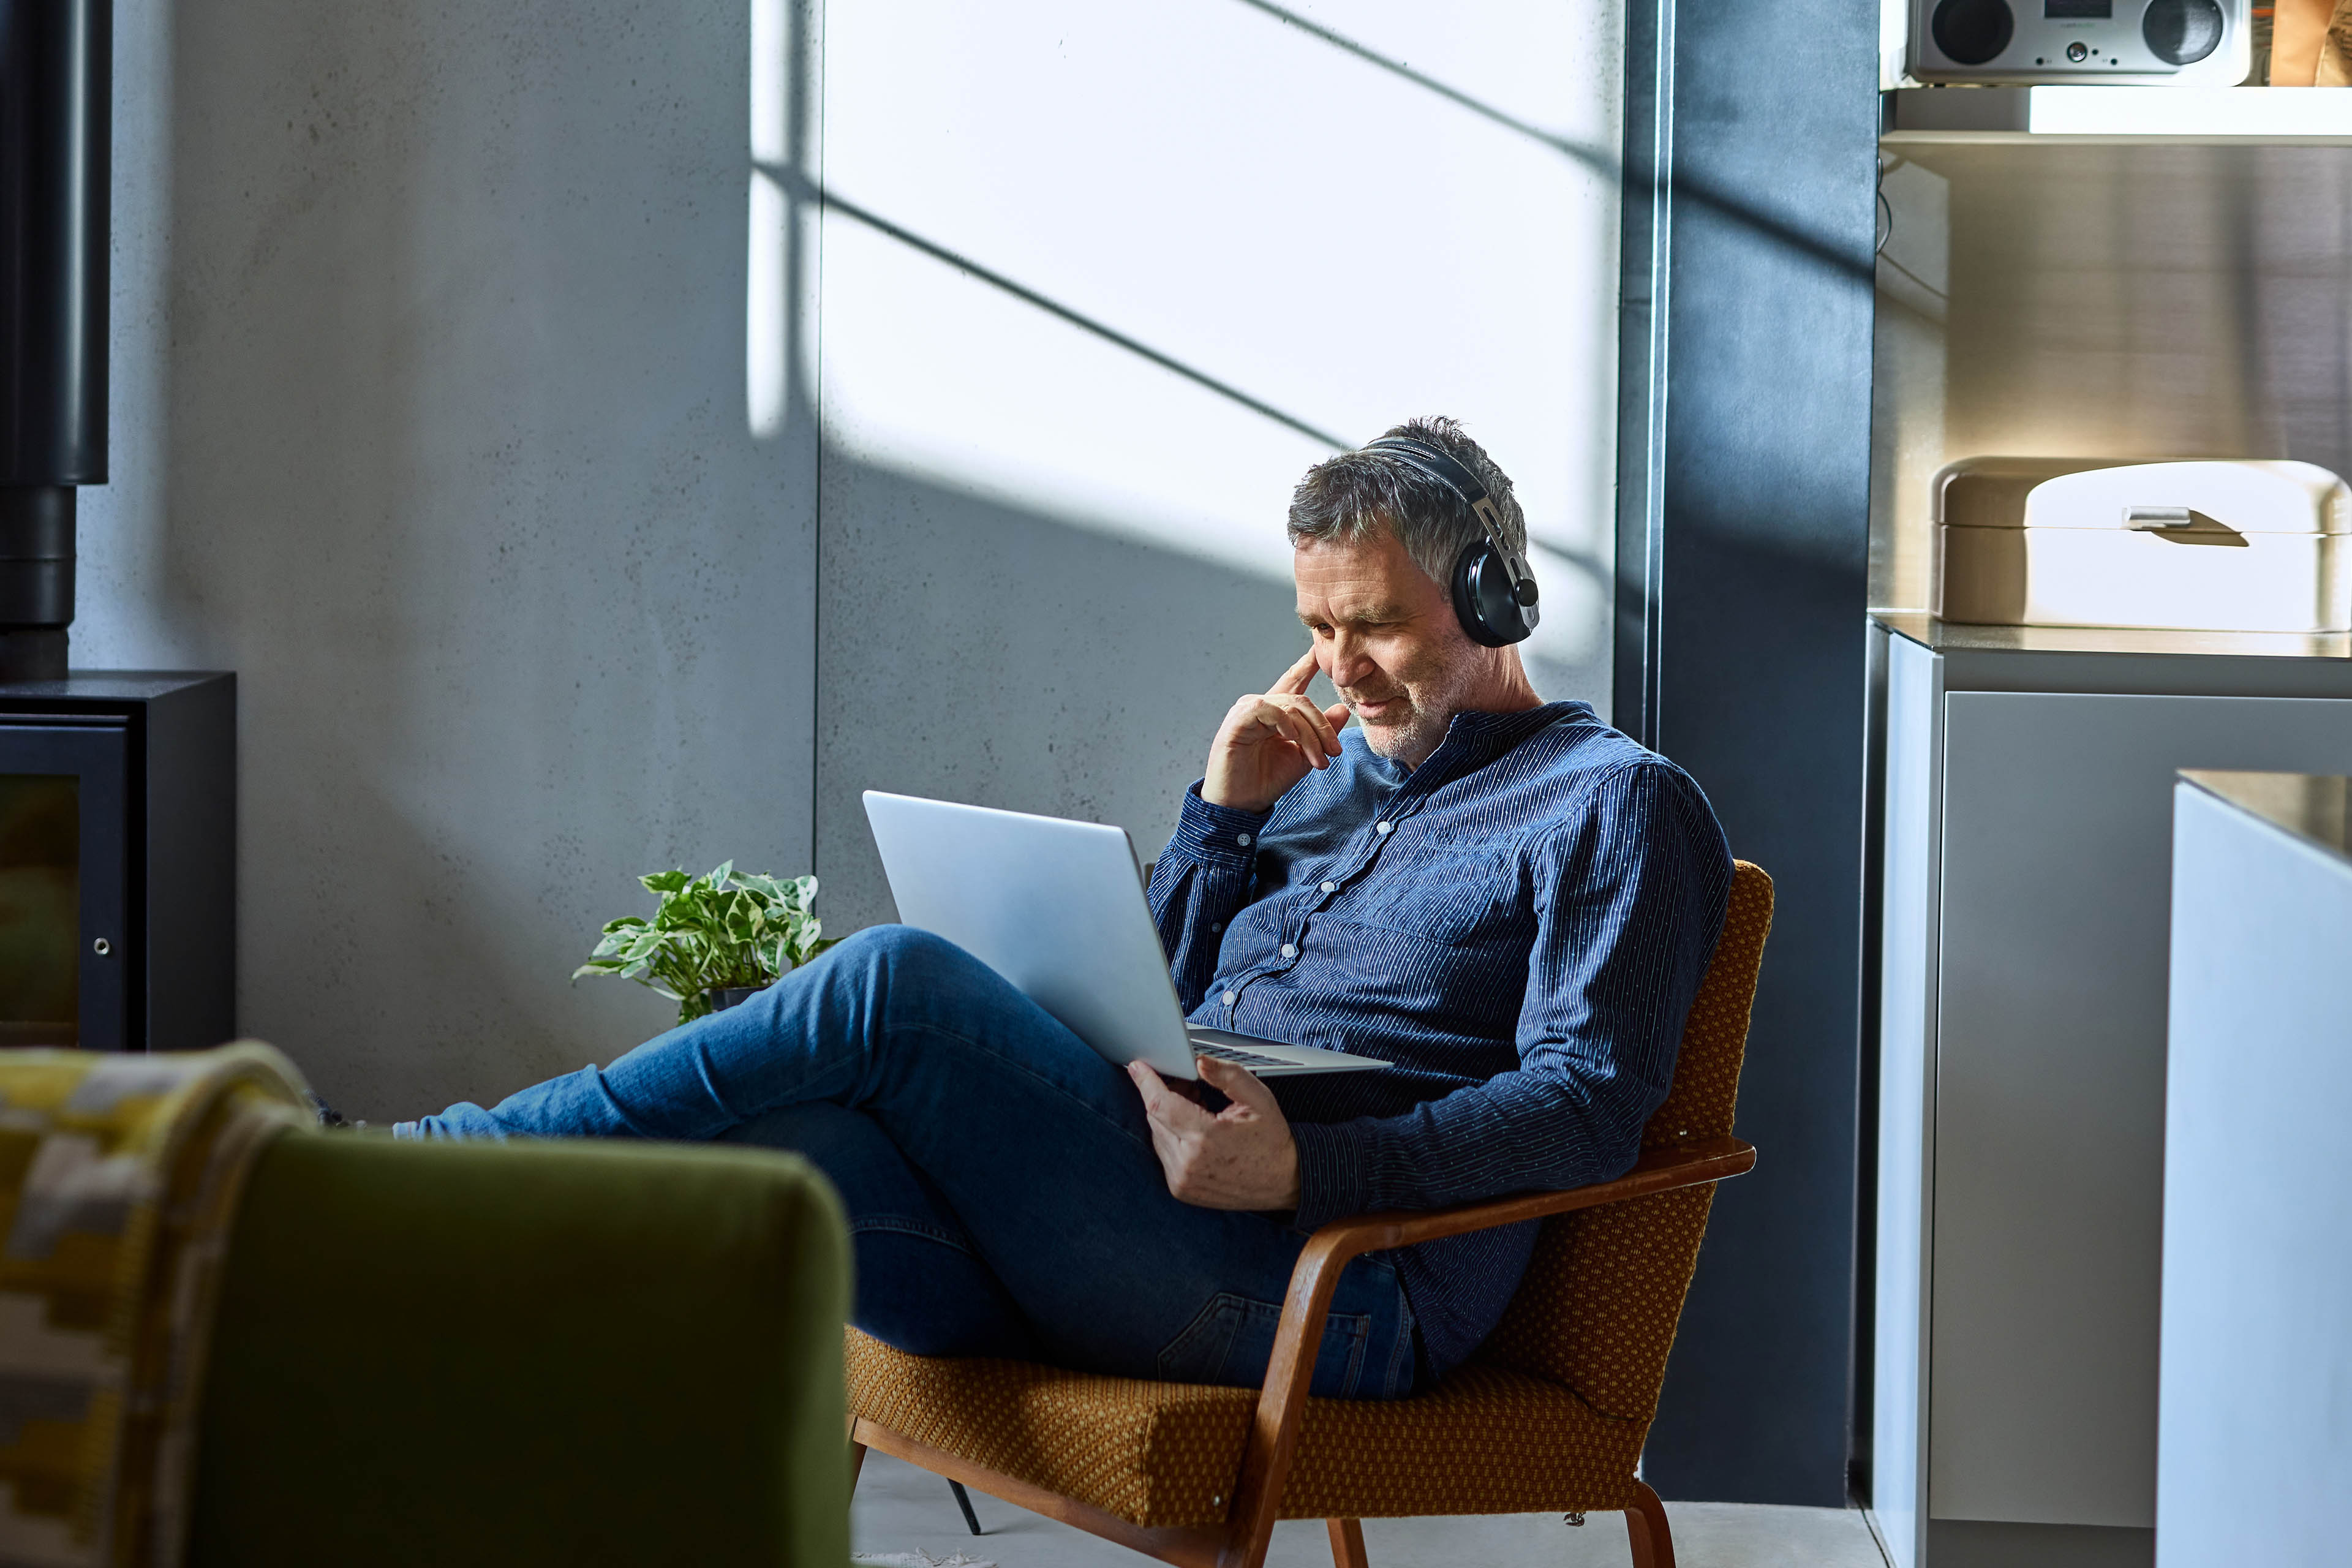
(69, 952)
(1911, 815)
(2049, 1095)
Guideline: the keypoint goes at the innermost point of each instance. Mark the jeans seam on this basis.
(1355, 1372)
(889, 1226)
(944, 1033)
(1403, 1343)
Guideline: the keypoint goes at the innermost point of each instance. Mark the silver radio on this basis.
(2183, 43)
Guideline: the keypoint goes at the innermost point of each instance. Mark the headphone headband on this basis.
(1434, 461)
(1511, 616)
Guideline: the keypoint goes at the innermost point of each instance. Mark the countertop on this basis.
(2314, 807)
(1950, 637)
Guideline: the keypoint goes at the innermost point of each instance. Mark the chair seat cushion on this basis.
(1485, 1440)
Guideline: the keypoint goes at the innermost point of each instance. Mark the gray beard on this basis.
(1410, 743)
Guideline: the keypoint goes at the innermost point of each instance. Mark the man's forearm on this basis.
(1203, 878)
(1512, 1134)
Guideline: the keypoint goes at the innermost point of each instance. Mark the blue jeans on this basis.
(1002, 1193)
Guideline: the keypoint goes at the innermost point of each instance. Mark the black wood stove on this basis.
(118, 791)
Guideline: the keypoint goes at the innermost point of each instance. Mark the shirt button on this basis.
(1331, 887)
(1230, 999)
(1243, 840)
(1385, 829)
(1289, 950)
(1217, 925)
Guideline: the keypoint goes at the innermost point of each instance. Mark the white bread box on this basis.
(2245, 546)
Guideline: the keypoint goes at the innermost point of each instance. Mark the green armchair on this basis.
(524, 1354)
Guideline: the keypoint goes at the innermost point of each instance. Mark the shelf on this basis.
(1920, 117)
(1952, 636)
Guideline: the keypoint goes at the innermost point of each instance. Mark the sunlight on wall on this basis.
(1264, 238)
(767, 221)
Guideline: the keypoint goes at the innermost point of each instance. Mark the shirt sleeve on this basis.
(1630, 900)
(1203, 878)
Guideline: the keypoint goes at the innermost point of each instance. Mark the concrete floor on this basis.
(901, 1511)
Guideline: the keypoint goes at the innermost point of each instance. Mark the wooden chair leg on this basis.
(1346, 1542)
(856, 1463)
(1645, 1530)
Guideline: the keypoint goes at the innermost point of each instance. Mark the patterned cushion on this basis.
(1485, 1440)
(1550, 1416)
(119, 1182)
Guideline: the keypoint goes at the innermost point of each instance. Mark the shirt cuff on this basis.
(1218, 835)
(1331, 1177)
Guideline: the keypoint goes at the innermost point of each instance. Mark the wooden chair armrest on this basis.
(1274, 1432)
(1685, 1164)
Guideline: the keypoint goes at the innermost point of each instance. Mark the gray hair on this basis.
(1345, 498)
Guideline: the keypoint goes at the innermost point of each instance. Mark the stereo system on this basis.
(2180, 43)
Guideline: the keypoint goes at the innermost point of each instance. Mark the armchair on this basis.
(1549, 1414)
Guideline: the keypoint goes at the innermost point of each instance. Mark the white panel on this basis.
(2049, 1084)
(1915, 687)
(2256, 1443)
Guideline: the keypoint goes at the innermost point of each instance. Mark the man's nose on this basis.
(1347, 664)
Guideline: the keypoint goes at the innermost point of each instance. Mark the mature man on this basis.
(1508, 900)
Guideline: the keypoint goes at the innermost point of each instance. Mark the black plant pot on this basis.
(725, 996)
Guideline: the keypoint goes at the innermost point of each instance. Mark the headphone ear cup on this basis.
(1483, 602)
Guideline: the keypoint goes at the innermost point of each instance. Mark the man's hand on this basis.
(1267, 742)
(1241, 1158)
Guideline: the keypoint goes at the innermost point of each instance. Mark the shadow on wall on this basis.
(1056, 668)
(978, 652)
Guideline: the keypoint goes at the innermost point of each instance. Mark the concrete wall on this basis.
(474, 402)
(430, 422)
(1101, 283)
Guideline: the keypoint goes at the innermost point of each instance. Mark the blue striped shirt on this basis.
(1518, 925)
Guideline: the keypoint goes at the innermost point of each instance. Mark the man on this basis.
(1508, 901)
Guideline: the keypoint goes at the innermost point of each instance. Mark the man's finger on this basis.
(1301, 732)
(1338, 714)
(1153, 1088)
(1162, 1103)
(1324, 730)
(1236, 1082)
(1295, 680)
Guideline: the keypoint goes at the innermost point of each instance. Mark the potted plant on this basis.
(713, 940)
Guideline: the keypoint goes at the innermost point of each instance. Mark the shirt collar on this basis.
(1473, 739)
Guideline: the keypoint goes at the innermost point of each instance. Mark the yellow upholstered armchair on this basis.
(1549, 1414)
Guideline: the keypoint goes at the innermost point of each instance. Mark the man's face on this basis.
(1386, 635)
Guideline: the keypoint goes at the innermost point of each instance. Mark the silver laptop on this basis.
(1058, 908)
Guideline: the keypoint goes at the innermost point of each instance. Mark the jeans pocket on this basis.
(1198, 1353)
(1231, 1339)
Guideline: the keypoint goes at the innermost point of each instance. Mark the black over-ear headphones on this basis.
(1494, 591)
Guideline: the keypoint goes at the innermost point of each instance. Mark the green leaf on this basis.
(712, 930)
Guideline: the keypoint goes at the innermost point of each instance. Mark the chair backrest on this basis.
(1598, 1306)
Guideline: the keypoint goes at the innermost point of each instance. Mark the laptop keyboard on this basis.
(1202, 1047)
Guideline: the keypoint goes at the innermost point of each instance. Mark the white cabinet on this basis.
(2255, 1455)
(2024, 880)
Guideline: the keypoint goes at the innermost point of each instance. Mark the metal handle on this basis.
(2180, 525)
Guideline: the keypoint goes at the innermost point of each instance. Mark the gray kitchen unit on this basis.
(2020, 878)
